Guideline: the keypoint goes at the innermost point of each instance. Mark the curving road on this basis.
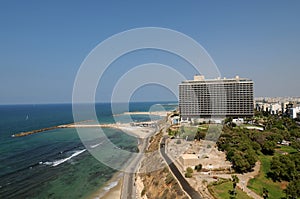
(185, 185)
(128, 187)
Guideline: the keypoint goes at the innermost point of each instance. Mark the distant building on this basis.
(272, 108)
(291, 109)
(205, 98)
(298, 116)
(292, 112)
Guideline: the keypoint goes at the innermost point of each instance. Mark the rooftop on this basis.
(189, 156)
(201, 79)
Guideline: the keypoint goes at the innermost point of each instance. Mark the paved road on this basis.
(185, 185)
(128, 187)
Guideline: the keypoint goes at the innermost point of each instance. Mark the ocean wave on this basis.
(46, 163)
(94, 146)
(111, 185)
(58, 162)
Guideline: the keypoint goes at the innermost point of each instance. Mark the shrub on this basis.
(189, 170)
(198, 167)
(169, 179)
(143, 191)
(188, 175)
(165, 194)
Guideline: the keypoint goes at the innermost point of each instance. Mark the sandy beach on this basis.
(136, 131)
(133, 130)
(115, 192)
(111, 190)
(158, 113)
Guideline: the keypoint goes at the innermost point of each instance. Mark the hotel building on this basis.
(207, 98)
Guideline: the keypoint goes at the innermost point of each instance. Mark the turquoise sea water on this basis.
(55, 164)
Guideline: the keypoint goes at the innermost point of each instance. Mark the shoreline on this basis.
(157, 113)
(114, 192)
(111, 189)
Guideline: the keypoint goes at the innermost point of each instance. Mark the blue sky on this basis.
(43, 43)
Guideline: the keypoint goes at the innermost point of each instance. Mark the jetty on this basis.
(34, 131)
(82, 125)
(156, 113)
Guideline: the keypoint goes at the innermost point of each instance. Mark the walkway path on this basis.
(244, 179)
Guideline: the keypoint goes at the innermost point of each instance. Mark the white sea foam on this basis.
(94, 146)
(58, 162)
(47, 163)
(110, 186)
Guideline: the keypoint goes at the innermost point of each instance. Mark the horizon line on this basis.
(70, 103)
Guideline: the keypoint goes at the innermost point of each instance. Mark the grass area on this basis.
(261, 181)
(221, 191)
(287, 149)
(189, 131)
(204, 126)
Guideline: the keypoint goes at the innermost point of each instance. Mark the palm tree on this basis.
(235, 180)
(265, 193)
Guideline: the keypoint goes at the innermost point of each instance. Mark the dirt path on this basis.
(244, 179)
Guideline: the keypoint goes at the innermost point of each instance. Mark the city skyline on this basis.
(44, 43)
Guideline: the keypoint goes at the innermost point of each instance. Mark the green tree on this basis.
(198, 167)
(296, 145)
(275, 137)
(295, 133)
(240, 163)
(293, 189)
(200, 135)
(189, 170)
(188, 175)
(276, 168)
(268, 147)
(265, 193)
(233, 192)
(283, 168)
(251, 157)
(235, 180)
(228, 120)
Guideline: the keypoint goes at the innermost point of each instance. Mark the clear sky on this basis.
(43, 43)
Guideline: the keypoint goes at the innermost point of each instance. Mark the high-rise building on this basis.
(205, 98)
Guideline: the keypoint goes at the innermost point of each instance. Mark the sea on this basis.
(55, 163)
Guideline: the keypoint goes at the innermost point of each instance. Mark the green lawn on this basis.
(221, 191)
(261, 181)
(189, 131)
(287, 149)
